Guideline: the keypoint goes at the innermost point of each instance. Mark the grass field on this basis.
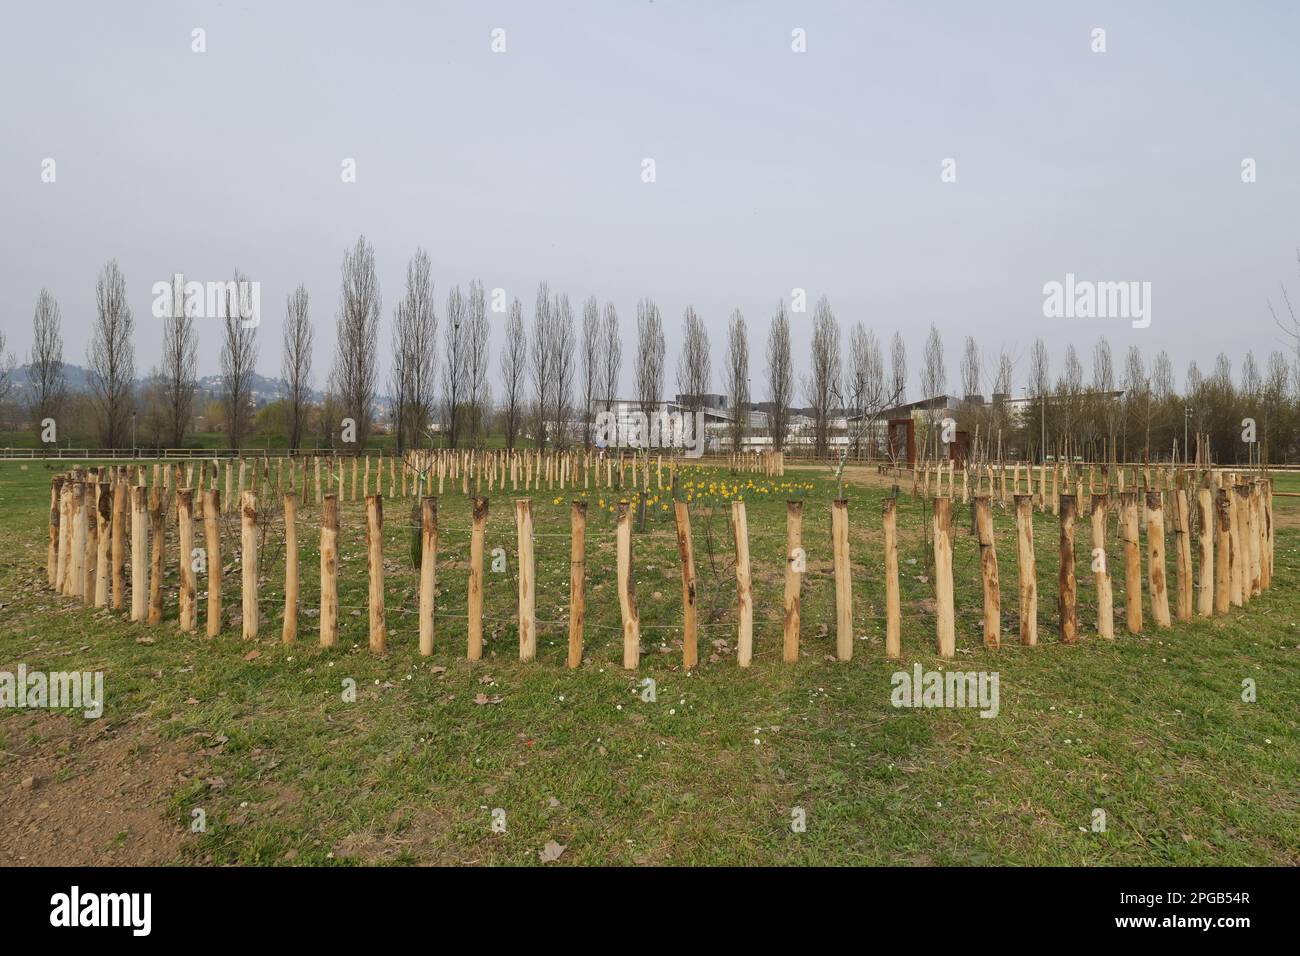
(1151, 728)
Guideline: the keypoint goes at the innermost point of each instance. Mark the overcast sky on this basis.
(775, 170)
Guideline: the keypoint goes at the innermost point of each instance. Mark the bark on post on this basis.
(104, 518)
(52, 553)
(1068, 590)
(1028, 572)
(627, 589)
(1156, 580)
(686, 556)
(1183, 554)
(1131, 535)
(843, 579)
(428, 570)
(744, 593)
(475, 630)
(212, 548)
(158, 530)
(1101, 570)
(119, 543)
(945, 622)
(795, 564)
(1236, 570)
(289, 631)
(893, 601)
(329, 558)
(577, 579)
(139, 553)
(185, 544)
(248, 563)
(375, 560)
(90, 510)
(527, 571)
(1208, 522)
(989, 572)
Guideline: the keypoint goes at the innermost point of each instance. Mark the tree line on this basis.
(555, 373)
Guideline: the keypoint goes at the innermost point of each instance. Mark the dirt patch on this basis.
(76, 793)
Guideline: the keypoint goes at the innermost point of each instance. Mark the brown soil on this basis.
(82, 793)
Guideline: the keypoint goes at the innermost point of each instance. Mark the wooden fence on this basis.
(89, 541)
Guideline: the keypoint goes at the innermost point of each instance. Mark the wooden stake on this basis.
(893, 603)
(1027, 570)
(1101, 570)
(744, 594)
(248, 563)
(329, 558)
(1183, 553)
(527, 570)
(428, 570)
(475, 629)
(212, 547)
(158, 533)
(843, 580)
(796, 562)
(375, 559)
(289, 632)
(1156, 582)
(1130, 534)
(104, 518)
(1207, 520)
(185, 539)
(577, 579)
(989, 572)
(686, 556)
(945, 614)
(1067, 584)
(119, 544)
(627, 589)
(139, 553)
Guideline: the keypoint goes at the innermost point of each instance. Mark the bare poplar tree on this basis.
(592, 361)
(737, 377)
(45, 378)
(455, 387)
(613, 354)
(542, 362)
(112, 358)
(934, 377)
(356, 353)
(867, 389)
(564, 365)
(177, 376)
(898, 367)
(514, 366)
(649, 356)
(1103, 383)
(238, 357)
(693, 365)
(415, 343)
(822, 386)
(1137, 392)
(970, 368)
(295, 365)
(780, 378)
(477, 338)
(7, 365)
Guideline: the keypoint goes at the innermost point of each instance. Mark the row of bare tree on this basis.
(557, 375)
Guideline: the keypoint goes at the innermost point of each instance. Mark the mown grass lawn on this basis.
(1151, 728)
